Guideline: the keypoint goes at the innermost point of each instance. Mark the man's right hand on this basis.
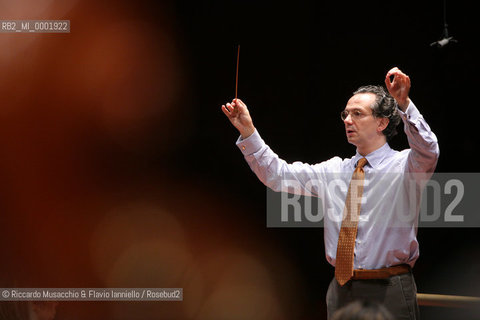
(237, 113)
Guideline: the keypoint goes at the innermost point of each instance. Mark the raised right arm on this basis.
(275, 173)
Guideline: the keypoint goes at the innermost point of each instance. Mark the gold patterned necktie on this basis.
(348, 231)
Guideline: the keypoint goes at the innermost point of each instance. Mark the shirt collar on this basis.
(374, 158)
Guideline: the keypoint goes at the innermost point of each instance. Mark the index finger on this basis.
(239, 102)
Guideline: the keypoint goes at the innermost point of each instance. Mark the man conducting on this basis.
(372, 246)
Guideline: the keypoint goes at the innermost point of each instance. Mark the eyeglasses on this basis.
(355, 114)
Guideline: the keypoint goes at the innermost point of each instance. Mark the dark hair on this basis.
(384, 107)
(363, 310)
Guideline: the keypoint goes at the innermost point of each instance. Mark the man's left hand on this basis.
(399, 87)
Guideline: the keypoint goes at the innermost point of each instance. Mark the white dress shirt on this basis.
(385, 238)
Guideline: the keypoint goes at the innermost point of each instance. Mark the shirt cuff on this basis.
(411, 114)
(251, 144)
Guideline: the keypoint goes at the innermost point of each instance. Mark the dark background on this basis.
(124, 112)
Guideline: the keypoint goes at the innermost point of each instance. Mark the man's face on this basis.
(361, 127)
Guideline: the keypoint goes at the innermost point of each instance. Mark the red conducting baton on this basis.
(236, 77)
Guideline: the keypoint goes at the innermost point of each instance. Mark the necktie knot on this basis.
(361, 163)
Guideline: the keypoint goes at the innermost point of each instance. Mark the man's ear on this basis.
(382, 123)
